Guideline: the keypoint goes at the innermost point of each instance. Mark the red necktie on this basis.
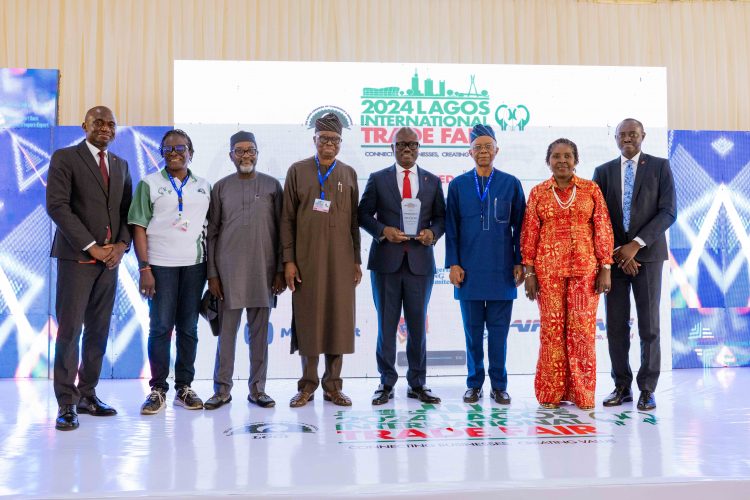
(103, 168)
(407, 185)
(105, 178)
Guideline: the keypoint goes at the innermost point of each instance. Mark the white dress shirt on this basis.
(413, 179)
(95, 153)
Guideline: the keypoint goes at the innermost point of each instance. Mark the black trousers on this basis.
(646, 286)
(85, 296)
(393, 292)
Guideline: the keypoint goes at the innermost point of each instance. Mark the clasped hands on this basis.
(110, 255)
(624, 257)
(395, 235)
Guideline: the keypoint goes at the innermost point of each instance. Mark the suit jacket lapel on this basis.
(88, 159)
(115, 172)
(424, 193)
(640, 174)
(616, 180)
(423, 187)
(390, 180)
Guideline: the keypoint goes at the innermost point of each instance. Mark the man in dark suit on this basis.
(402, 267)
(639, 190)
(88, 195)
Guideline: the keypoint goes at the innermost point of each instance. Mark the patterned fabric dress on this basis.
(567, 240)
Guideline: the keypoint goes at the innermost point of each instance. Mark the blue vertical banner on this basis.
(27, 274)
(710, 247)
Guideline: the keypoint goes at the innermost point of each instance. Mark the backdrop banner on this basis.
(528, 106)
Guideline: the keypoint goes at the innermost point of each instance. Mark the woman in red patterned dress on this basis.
(566, 245)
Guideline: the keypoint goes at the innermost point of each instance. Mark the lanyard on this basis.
(483, 196)
(322, 178)
(178, 190)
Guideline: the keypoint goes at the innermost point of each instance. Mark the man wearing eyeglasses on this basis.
(402, 261)
(321, 253)
(244, 266)
(88, 195)
(483, 253)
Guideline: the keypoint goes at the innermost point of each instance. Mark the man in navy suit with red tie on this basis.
(402, 265)
(640, 194)
(89, 191)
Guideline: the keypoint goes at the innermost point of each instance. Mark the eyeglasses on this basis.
(239, 152)
(324, 139)
(490, 147)
(413, 145)
(179, 148)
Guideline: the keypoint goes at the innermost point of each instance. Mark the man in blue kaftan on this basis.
(482, 238)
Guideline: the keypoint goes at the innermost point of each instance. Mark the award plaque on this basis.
(410, 215)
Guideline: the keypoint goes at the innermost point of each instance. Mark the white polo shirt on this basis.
(173, 240)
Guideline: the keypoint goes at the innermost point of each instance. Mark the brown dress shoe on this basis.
(300, 399)
(338, 398)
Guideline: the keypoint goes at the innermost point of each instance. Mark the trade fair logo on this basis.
(318, 112)
(442, 116)
(478, 425)
(514, 118)
(262, 430)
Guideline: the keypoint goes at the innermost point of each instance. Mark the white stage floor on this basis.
(695, 444)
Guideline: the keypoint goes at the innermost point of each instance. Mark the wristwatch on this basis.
(607, 266)
(143, 264)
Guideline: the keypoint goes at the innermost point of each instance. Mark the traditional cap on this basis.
(241, 136)
(480, 130)
(329, 123)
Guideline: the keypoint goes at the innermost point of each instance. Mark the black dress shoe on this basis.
(473, 394)
(500, 397)
(67, 418)
(382, 394)
(423, 394)
(261, 399)
(92, 405)
(620, 395)
(647, 401)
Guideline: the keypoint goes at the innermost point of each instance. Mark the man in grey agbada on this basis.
(244, 267)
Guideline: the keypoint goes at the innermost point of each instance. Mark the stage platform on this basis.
(696, 444)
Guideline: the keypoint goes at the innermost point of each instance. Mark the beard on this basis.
(246, 169)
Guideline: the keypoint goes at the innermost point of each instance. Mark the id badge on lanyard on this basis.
(321, 204)
(180, 222)
(484, 200)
